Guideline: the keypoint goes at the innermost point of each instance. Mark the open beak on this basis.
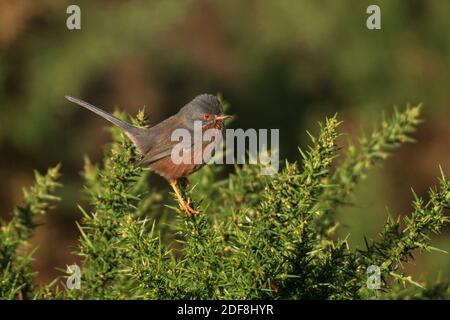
(224, 116)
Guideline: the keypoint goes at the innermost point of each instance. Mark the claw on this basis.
(187, 208)
(183, 205)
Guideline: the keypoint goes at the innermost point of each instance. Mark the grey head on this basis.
(204, 107)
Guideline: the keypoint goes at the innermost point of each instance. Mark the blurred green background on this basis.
(280, 64)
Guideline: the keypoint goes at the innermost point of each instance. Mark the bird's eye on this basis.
(207, 116)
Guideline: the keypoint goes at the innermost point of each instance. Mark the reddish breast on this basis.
(168, 169)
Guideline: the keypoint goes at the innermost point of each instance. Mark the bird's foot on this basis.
(186, 206)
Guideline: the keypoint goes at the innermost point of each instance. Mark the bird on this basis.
(154, 144)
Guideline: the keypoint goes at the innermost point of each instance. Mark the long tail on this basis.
(137, 135)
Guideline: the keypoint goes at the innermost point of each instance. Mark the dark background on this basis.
(280, 64)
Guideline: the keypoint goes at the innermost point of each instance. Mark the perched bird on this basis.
(154, 145)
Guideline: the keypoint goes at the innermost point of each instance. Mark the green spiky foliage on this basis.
(256, 237)
(16, 279)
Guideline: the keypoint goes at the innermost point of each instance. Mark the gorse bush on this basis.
(15, 278)
(256, 237)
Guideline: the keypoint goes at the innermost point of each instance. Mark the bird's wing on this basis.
(154, 155)
(159, 152)
(161, 144)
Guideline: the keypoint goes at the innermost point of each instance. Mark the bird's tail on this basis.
(134, 133)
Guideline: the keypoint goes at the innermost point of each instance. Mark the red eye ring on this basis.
(207, 116)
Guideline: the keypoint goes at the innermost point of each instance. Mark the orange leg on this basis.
(183, 205)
